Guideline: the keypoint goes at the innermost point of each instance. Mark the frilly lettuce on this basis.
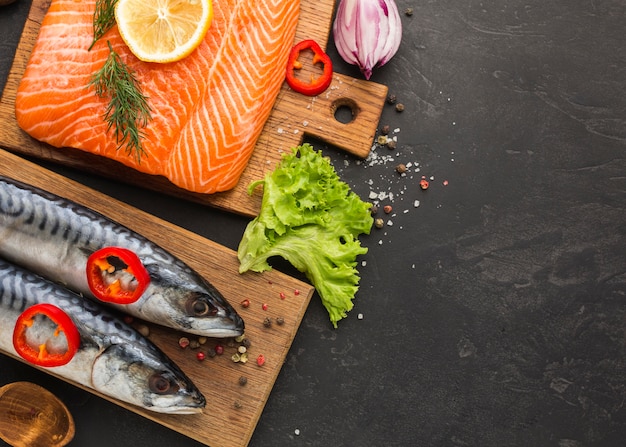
(312, 219)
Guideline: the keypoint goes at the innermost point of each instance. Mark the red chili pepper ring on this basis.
(36, 336)
(317, 85)
(116, 275)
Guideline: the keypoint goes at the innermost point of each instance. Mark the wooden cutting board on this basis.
(293, 117)
(228, 403)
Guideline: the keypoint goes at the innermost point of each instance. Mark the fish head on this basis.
(147, 380)
(193, 307)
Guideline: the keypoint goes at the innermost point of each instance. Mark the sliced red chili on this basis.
(37, 341)
(317, 85)
(116, 275)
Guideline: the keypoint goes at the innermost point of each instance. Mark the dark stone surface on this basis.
(493, 314)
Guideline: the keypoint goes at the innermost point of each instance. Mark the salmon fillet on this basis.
(208, 109)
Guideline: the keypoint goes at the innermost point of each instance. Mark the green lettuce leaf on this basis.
(313, 220)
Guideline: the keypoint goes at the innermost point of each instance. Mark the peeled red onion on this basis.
(367, 33)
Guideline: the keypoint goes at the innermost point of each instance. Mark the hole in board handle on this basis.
(345, 110)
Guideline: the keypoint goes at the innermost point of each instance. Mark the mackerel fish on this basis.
(53, 237)
(113, 358)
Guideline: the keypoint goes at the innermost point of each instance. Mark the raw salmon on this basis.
(208, 109)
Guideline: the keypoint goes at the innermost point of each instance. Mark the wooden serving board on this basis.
(228, 403)
(294, 116)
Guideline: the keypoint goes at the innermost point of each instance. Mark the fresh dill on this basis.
(103, 19)
(128, 110)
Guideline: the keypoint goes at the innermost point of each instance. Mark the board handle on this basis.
(318, 116)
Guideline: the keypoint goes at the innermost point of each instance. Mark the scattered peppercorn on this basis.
(391, 144)
(235, 357)
(246, 342)
(280, 321)
(391, 99)
(245, 303)
(267, 322)
(382, 140)
(240, 338)
(202, 340)
(143, 330)
(211, 352)
(424, 184)
(183, 342)
(401, 168)
(194, 344)
(282, 295)
(387, 209)
(243, 380)
(379, 223)
(241, 349)
(385, 130)
(373, 209)
(260, 360)
(408, 11)
(296, 292)
(399, 107)
(200, 356)
(264, 306)
(238, 405)
(219, 349)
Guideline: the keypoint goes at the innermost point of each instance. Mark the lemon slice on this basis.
(163, 30)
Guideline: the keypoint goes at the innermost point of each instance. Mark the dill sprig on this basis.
(128, 109)
(103, 19)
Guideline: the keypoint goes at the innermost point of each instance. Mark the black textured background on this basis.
(493, 306)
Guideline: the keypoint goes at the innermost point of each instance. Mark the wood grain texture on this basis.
(293, 117)
(232, 410)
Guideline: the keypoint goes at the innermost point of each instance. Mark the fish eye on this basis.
(199, 307)
(161, 385)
